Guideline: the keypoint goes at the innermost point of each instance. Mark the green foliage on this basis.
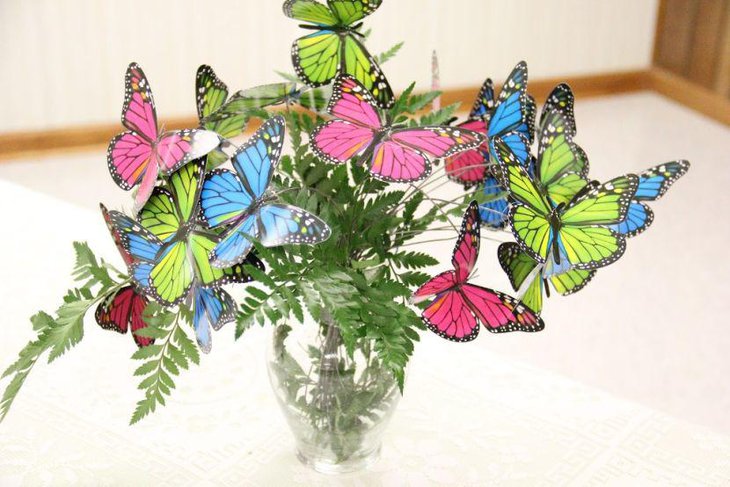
(58, 334)
(389, 53)
(361, 278)
(172, 352)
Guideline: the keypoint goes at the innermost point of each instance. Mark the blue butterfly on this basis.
(164, 272)
(653, 183)
(511, 118)
(239, 199)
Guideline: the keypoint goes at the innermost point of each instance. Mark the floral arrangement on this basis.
(316, 213)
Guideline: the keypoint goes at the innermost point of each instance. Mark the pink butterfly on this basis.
(138, 155)
(470, 167)
(459, 307)
(395, 154)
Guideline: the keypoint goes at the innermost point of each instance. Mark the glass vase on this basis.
(338, 405)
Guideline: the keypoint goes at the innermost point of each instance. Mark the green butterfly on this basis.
(334, 48)
(211, 95)
(519, 266)
(564, 234)
(169, 222)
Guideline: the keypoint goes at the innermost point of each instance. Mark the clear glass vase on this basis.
(337, 405)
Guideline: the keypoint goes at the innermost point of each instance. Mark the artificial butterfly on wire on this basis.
(140, 154)
(392, 153)
(518, 265)
(334, 48)
(563, 236)
(458, 307)
(123, 309)
(229, 116)
(170, 253)
(240, 201)
(511, 116)
(653, 184)
(561, 171)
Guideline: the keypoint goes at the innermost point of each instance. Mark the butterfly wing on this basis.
(236, 243)
(571, 281)
(357, 62)
(114, 313)
(605, 205)
(499, 312)
(350, 11)
(167, 211)
(557, 154)
(466, 250)
(224, 198)
(351, 101)
(256, 160)
(337, 141)
(518, 266)
(128, 157)
(560, 99)
(171, 276)
(124, 309)
(484, 104)
(393, 162)
(310, 11)
(654, 182)
(210, 92)
(638, 218)
(214, 307)
(159, 214)
(259, 97)
(138, 242)
(512, 111)
(450, 317)
(434, 286)
(438, 142)
(177, 148)
(470, 167)
(352, 133)
(201, 246)
(494, 212)
(138, 112)
(317, 57)
(210, 96)
(281, 224)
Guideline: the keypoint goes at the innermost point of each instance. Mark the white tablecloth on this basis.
(468, 417)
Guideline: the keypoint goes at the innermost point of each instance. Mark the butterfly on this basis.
(459, 307)
(570, 234)
(140, 154)
(394, 154)
(239, 199)
(124, 309)
(519, 266)
(170, 253)
(334, 47)
(653, 183)
(513, 111)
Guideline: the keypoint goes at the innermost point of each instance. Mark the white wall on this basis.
(63, 62)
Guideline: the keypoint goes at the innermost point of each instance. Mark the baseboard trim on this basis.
(690, 94)
(37, 143)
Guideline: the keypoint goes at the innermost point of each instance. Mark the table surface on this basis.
(469, 416)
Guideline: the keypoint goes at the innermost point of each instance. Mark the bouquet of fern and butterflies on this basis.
(312, 195)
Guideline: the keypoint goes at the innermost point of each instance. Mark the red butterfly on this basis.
(459, 307)
(124, 309)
